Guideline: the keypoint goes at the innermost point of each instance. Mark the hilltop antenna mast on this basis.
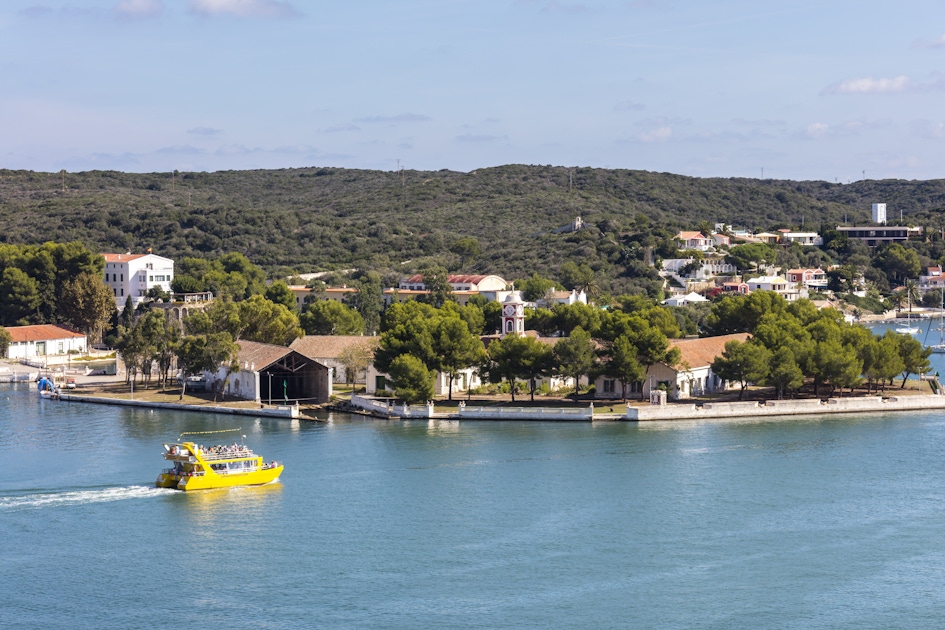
(762, 173)
(570, 180)
(62, 175)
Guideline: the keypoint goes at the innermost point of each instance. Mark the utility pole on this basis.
(570, 180)
(762, 172)
(62, 175)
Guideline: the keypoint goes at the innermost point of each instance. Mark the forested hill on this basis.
(331, 218)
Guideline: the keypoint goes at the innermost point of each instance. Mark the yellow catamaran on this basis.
(198, 467)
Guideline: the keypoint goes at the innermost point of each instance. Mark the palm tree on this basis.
(897, 299)
(705, 228)
(912, 293)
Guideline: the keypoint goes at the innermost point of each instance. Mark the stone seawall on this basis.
(785, 408)
(278, 412)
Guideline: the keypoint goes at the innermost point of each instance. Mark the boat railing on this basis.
(234, 454)
(183, 473)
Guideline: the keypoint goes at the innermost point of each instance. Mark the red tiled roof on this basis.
(122, 257)
(42, 332)
(697, 353)
(691, 235)
(331, 346)
(260, 355)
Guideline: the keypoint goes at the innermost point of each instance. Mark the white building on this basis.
(562, 297)
(804, 238)
(704, 270)
(694, 240)
(38, 342)
(811, 278)
(692, 376)
(136, 274)
(879, 213)
(468, 378)
(459, 282)
(683, 300)
(788, 290)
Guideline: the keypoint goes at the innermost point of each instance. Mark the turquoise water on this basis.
(804, 523)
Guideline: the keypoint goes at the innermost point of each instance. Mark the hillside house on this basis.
(787, 290)
(804, 238)
(810, 278)
(694, 240)
(683, 300)
(766, 237)
(703, 270)
(136, 274)
(44, 340)
(735, 287)
(459, 282)
(877, 235)
(562, 297)
(305, 295)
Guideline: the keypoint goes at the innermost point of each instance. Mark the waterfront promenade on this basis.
(668, 412)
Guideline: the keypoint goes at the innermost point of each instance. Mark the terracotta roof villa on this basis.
(43, 340)
(692, 376)
(702, 352)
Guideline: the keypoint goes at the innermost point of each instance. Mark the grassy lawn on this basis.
(122, 391)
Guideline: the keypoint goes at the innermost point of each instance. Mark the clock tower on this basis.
(513, 315)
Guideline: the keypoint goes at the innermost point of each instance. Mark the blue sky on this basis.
(804, 90)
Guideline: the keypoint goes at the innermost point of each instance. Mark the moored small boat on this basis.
(198, 467)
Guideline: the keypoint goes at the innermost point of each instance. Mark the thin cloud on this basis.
(42, 11)
(342, 127)
(629, 106)
(36, 11)
(758, 122)
(243, 8)
(139, 9)
(237, 149)
(870, 85)
(553, 6)
(397, 118)
(935, 43)
(204, 131)
(477, 138)
(817, 130)
(929, 129)
(184, 149)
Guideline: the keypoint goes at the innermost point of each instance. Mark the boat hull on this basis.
(212, 480)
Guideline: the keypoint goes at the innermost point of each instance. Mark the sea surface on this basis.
(831, 522)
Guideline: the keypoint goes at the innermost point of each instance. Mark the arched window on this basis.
(508, 326)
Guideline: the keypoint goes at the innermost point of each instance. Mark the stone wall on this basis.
(785, 408)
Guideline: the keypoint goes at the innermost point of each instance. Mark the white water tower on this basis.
(879, 213)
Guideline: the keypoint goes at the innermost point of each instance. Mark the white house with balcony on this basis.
(811, 278)
(694, 240)
(931, 279)
(804, 238)
(136, 274)
(778, 284)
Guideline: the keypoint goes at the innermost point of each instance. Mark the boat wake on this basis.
(80, 497)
